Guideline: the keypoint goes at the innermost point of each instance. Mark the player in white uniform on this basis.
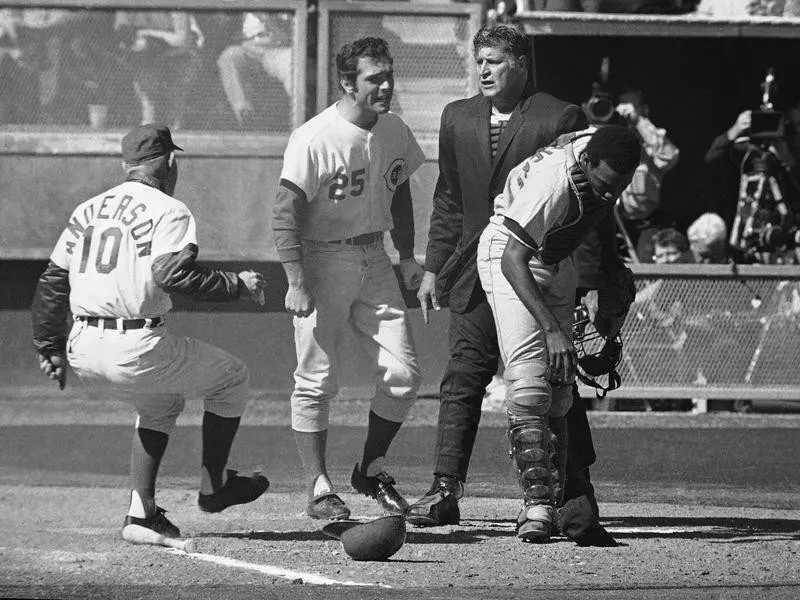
(527, 272)
(120, 256)
(344, 183)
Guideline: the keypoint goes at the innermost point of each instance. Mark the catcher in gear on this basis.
(527, 271)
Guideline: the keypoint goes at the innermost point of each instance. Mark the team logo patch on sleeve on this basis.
(393, 173)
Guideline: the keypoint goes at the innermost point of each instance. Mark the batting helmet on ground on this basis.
(374, 540)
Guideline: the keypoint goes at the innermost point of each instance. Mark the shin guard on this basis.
(558, 467)
(532, 449)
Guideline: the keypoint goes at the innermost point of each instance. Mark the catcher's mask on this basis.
(597, 355)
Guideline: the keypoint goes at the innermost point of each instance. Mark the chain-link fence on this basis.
(431, 46)
(187, 64)
(712, 331)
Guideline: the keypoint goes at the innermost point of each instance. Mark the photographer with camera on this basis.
(633, 211)
(756, 175)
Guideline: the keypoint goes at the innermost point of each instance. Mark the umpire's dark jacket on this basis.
(469, 180)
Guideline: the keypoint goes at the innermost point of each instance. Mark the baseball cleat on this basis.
(149, 530)
(440, 505)
(327, 506)
(535, 523)
(237, 490)
(381, 488)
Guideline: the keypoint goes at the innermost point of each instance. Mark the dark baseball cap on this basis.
(147, 141)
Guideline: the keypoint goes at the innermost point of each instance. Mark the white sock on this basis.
(140, 508)
(322, 485)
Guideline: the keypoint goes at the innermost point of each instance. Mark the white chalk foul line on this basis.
(654, 529)
(671, 530)
(272, 570)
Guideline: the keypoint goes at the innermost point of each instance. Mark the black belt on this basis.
(360, 240)
(109, 323)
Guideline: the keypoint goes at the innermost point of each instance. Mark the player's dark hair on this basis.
(348, 55)
(617, 145)
(671, 237)
(508, 39)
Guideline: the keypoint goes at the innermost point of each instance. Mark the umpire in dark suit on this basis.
(480, 140)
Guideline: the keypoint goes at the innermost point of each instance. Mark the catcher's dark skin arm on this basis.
(561, 356)
(610, 264)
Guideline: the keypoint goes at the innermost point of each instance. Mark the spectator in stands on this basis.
(266, 46)
(16, 102)
(657, 305)
(708, 239)
(670, 246)
(50, 64)
(164, 54)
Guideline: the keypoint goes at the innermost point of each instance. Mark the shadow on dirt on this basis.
(728, 530)
(471, 536)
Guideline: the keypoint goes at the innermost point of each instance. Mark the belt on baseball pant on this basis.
(123, 324)
(360, 240)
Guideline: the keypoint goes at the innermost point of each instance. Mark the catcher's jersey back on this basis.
(109, 245)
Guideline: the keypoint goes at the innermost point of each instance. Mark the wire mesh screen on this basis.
(107, 69)
(714, 335)
(432, 61)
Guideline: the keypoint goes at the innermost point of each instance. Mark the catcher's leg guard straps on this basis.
(528, 393)
(558, 428)
(531, 450)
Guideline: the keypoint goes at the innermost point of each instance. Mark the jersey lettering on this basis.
(341, 181)
(357, 180)
(107, 251)
(542, 152)
(336, 190)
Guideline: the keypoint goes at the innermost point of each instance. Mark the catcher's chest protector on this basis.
(562, 241)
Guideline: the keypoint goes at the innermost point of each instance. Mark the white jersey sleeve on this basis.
(174, 231)
(62, 252)
(300, 164)
(533, 201)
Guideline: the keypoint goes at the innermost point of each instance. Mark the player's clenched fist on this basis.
(55, 367)
(254, 283)
(411, 273)
(299, 301)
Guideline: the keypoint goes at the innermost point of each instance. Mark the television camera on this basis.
(765, 222)
(600, 108)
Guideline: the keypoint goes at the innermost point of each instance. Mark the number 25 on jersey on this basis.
(338, 190)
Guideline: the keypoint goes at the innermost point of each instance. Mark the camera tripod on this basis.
(763, 218)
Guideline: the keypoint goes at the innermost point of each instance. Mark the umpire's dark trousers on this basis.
(474, 360)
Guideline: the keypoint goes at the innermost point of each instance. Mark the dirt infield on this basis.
(273, 547)
(704, 507)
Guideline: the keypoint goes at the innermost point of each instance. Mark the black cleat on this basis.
(380, 487)
(237, 490)
(440, 505)
(134, 528)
